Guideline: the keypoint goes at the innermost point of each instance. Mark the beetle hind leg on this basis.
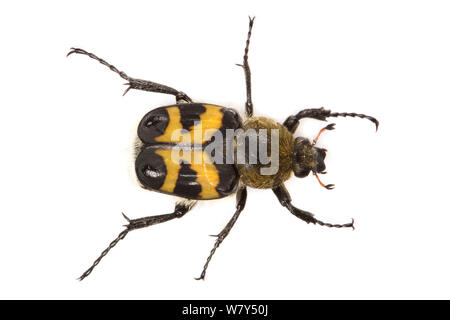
(241, 198)
(180, 210)
(134, 83)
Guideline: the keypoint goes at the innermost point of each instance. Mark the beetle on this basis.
(164, 162)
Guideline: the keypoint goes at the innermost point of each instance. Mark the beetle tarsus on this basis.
(246, 67)
(358, 115)
(121, 236)
(285, 200)
(241, 198)
(180, 210)
(322, 114)
(134, 83)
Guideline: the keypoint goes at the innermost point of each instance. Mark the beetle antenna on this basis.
(326, 186)
(121, 236)
(328, 127)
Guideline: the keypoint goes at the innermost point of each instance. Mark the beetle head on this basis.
(307, 158)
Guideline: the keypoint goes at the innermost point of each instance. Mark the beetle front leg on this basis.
(286, 201)
(291, 123)
(134, 83)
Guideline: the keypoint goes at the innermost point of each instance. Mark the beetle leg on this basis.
(286, 201)
(136, 83)
(181, 209)
(321, 114)
(241, 198)
(246, 67)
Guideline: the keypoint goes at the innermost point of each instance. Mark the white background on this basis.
(66, 133)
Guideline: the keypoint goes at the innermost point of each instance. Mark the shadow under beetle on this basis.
(157, 171)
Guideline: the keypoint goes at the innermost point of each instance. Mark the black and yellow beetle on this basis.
(164, 160)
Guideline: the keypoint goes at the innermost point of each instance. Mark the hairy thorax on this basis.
(256, 172)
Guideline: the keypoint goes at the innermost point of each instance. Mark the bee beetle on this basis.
(175, 154)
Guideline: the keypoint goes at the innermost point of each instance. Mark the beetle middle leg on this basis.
(246, 67)
(181, 208)
(241, 198)
(134, 83)
(286, 201)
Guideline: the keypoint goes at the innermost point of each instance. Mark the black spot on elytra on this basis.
(190, 114)
(186, 185)
(153, 125)
(228, 179)
(150, 169)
